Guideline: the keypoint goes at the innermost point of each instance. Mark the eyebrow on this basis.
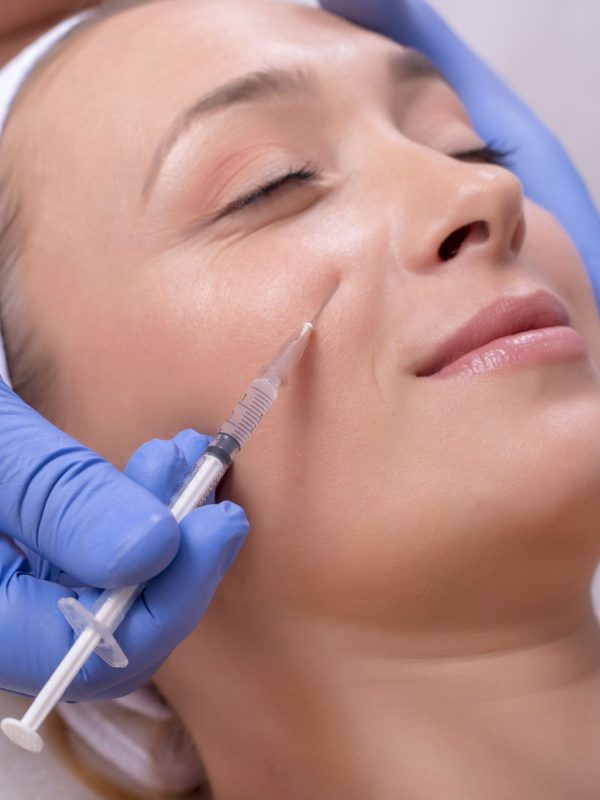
(403, 65)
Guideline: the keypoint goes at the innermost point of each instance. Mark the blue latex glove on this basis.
(83, 523)
(546, 172)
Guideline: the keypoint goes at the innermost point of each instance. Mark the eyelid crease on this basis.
(305, 173)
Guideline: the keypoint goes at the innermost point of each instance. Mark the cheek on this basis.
(551, 257)
(174, 343)
(337, 519)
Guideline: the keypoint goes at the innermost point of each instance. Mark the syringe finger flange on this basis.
(80, 618)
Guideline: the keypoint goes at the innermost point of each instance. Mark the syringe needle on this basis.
(323, 304)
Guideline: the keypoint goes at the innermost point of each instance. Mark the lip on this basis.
(506, 316)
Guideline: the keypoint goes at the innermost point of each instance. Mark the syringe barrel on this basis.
(199, 483)
(248, 413)
(112, 605)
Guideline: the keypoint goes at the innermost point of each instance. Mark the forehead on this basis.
(162, 49)
(113, 92)
(216, 24)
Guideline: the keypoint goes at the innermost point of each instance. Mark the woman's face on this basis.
(372, 493)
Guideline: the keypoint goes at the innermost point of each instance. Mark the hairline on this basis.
(108, 9)
(30, 366)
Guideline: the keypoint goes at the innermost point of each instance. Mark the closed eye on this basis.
(487, 154)
(303, 175)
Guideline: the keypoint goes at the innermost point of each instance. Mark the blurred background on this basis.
(548, 51)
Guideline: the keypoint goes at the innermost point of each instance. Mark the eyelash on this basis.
(488, 154)
(306, 173)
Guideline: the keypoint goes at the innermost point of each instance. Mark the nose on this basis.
(457, 209)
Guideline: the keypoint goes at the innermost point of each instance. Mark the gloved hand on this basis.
(546, 172)
(83, 523)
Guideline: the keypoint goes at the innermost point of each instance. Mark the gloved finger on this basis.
(174, 602)
(170, 607)
(161, 464)
(34, 634)
(75, 509)
(24, 671)
(24, 668)
(545, 170)
(191, 444)
(40, 567)
(119, 689)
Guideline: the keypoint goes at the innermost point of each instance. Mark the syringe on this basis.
(94, 627)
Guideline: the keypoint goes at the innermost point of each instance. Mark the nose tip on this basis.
(458, 209)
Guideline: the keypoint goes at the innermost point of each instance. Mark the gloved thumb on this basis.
(175, 601)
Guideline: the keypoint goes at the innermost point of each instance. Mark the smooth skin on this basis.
(410, 615)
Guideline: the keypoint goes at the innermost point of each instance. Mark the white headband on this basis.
(12, 77)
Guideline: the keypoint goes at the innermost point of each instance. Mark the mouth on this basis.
(504, 317)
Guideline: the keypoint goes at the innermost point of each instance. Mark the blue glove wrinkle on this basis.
(12, 560)
(38, 566)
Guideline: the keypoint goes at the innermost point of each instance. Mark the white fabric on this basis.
(52, 774)
(3, 368)
(12, 77)
(135, 741)
(49, 775)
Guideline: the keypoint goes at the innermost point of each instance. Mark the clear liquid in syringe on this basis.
(248, 413)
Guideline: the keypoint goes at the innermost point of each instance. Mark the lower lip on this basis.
(540, 346)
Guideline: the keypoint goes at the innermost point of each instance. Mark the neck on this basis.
(294, 708)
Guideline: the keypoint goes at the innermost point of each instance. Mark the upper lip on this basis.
(505, 316)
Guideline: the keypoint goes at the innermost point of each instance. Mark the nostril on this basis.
(477, 231)
(452, 244)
